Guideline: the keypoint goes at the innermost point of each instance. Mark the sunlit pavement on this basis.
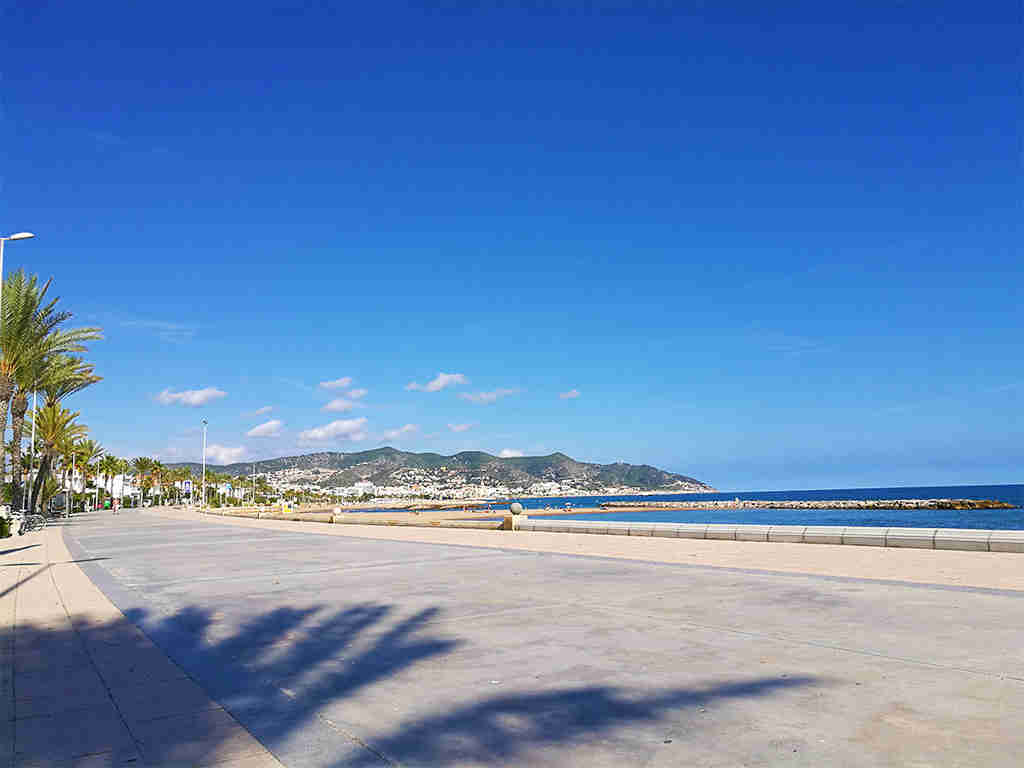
(340, 651)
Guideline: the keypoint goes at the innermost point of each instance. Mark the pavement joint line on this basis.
(357, 740)
(344, 731)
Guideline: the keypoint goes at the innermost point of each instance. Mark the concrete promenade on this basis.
(373, 646)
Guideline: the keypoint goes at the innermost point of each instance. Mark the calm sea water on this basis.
(1000, 519)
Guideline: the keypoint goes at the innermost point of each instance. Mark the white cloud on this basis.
(224, 454)
(341, 383)
(173, 332)
(510, 453)
(407, 429)
(572, 394)
(486, 398)
(193, 398)
(263, 410)
(341, 405)
(438, 383)
(356, 394)
(461, 427)
(270, 428)
(342, 429)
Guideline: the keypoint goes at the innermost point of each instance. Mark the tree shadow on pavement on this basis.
(282, 670)
(277, 673)
(508, 730)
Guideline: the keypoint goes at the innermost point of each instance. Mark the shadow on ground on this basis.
(277, 674)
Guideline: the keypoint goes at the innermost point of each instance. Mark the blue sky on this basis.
(769, 249)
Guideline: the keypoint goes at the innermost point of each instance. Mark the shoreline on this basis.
(474, 510)
(438, 504)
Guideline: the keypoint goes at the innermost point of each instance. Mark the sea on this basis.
(997, 519)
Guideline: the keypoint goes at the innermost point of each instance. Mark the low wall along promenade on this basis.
(917, 538)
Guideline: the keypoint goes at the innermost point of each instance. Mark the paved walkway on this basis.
(335, 649)
(82, 686)
(164, 638)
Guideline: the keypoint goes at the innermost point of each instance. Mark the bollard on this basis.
(512, 522)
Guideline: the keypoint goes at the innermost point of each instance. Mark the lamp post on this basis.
(202, 504)
(32, 455)
(15, 236)
(71, 487)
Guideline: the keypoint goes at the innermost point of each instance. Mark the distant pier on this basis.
(639, 506)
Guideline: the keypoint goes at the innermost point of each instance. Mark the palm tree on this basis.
(125, 467)
(62, 375)
(56, 376)
(56, 430)
(108, 467)
(143, 466)
(159, 473)
(109, 464)
(29, 335)
(47, 492)
(89, 453)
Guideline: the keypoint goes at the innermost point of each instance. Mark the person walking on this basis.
(117, 503)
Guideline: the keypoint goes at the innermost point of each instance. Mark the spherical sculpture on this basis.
(515, 508)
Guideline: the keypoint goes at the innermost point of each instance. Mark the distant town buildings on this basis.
(439, 483)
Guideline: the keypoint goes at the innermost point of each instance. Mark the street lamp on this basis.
(202, 504)
(15, 236)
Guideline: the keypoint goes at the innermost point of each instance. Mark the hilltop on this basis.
(389, 468)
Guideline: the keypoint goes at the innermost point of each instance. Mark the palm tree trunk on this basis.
(41, 475)
(6, 390)
(19, 406)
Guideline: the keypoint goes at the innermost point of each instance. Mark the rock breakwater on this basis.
(816, 504)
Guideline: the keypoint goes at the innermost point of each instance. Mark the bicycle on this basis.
(29, 523)
(33, 523)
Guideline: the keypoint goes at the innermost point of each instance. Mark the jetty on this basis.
(639, 506)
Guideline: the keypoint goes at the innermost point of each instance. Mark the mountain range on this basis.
(389, 466)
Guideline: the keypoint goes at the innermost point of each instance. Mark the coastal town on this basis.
(448, 483)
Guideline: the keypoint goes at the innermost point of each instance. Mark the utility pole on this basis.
(203, 502)
(71, 485)
(32, 455)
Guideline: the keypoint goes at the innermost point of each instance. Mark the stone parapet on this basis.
(863, 536)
